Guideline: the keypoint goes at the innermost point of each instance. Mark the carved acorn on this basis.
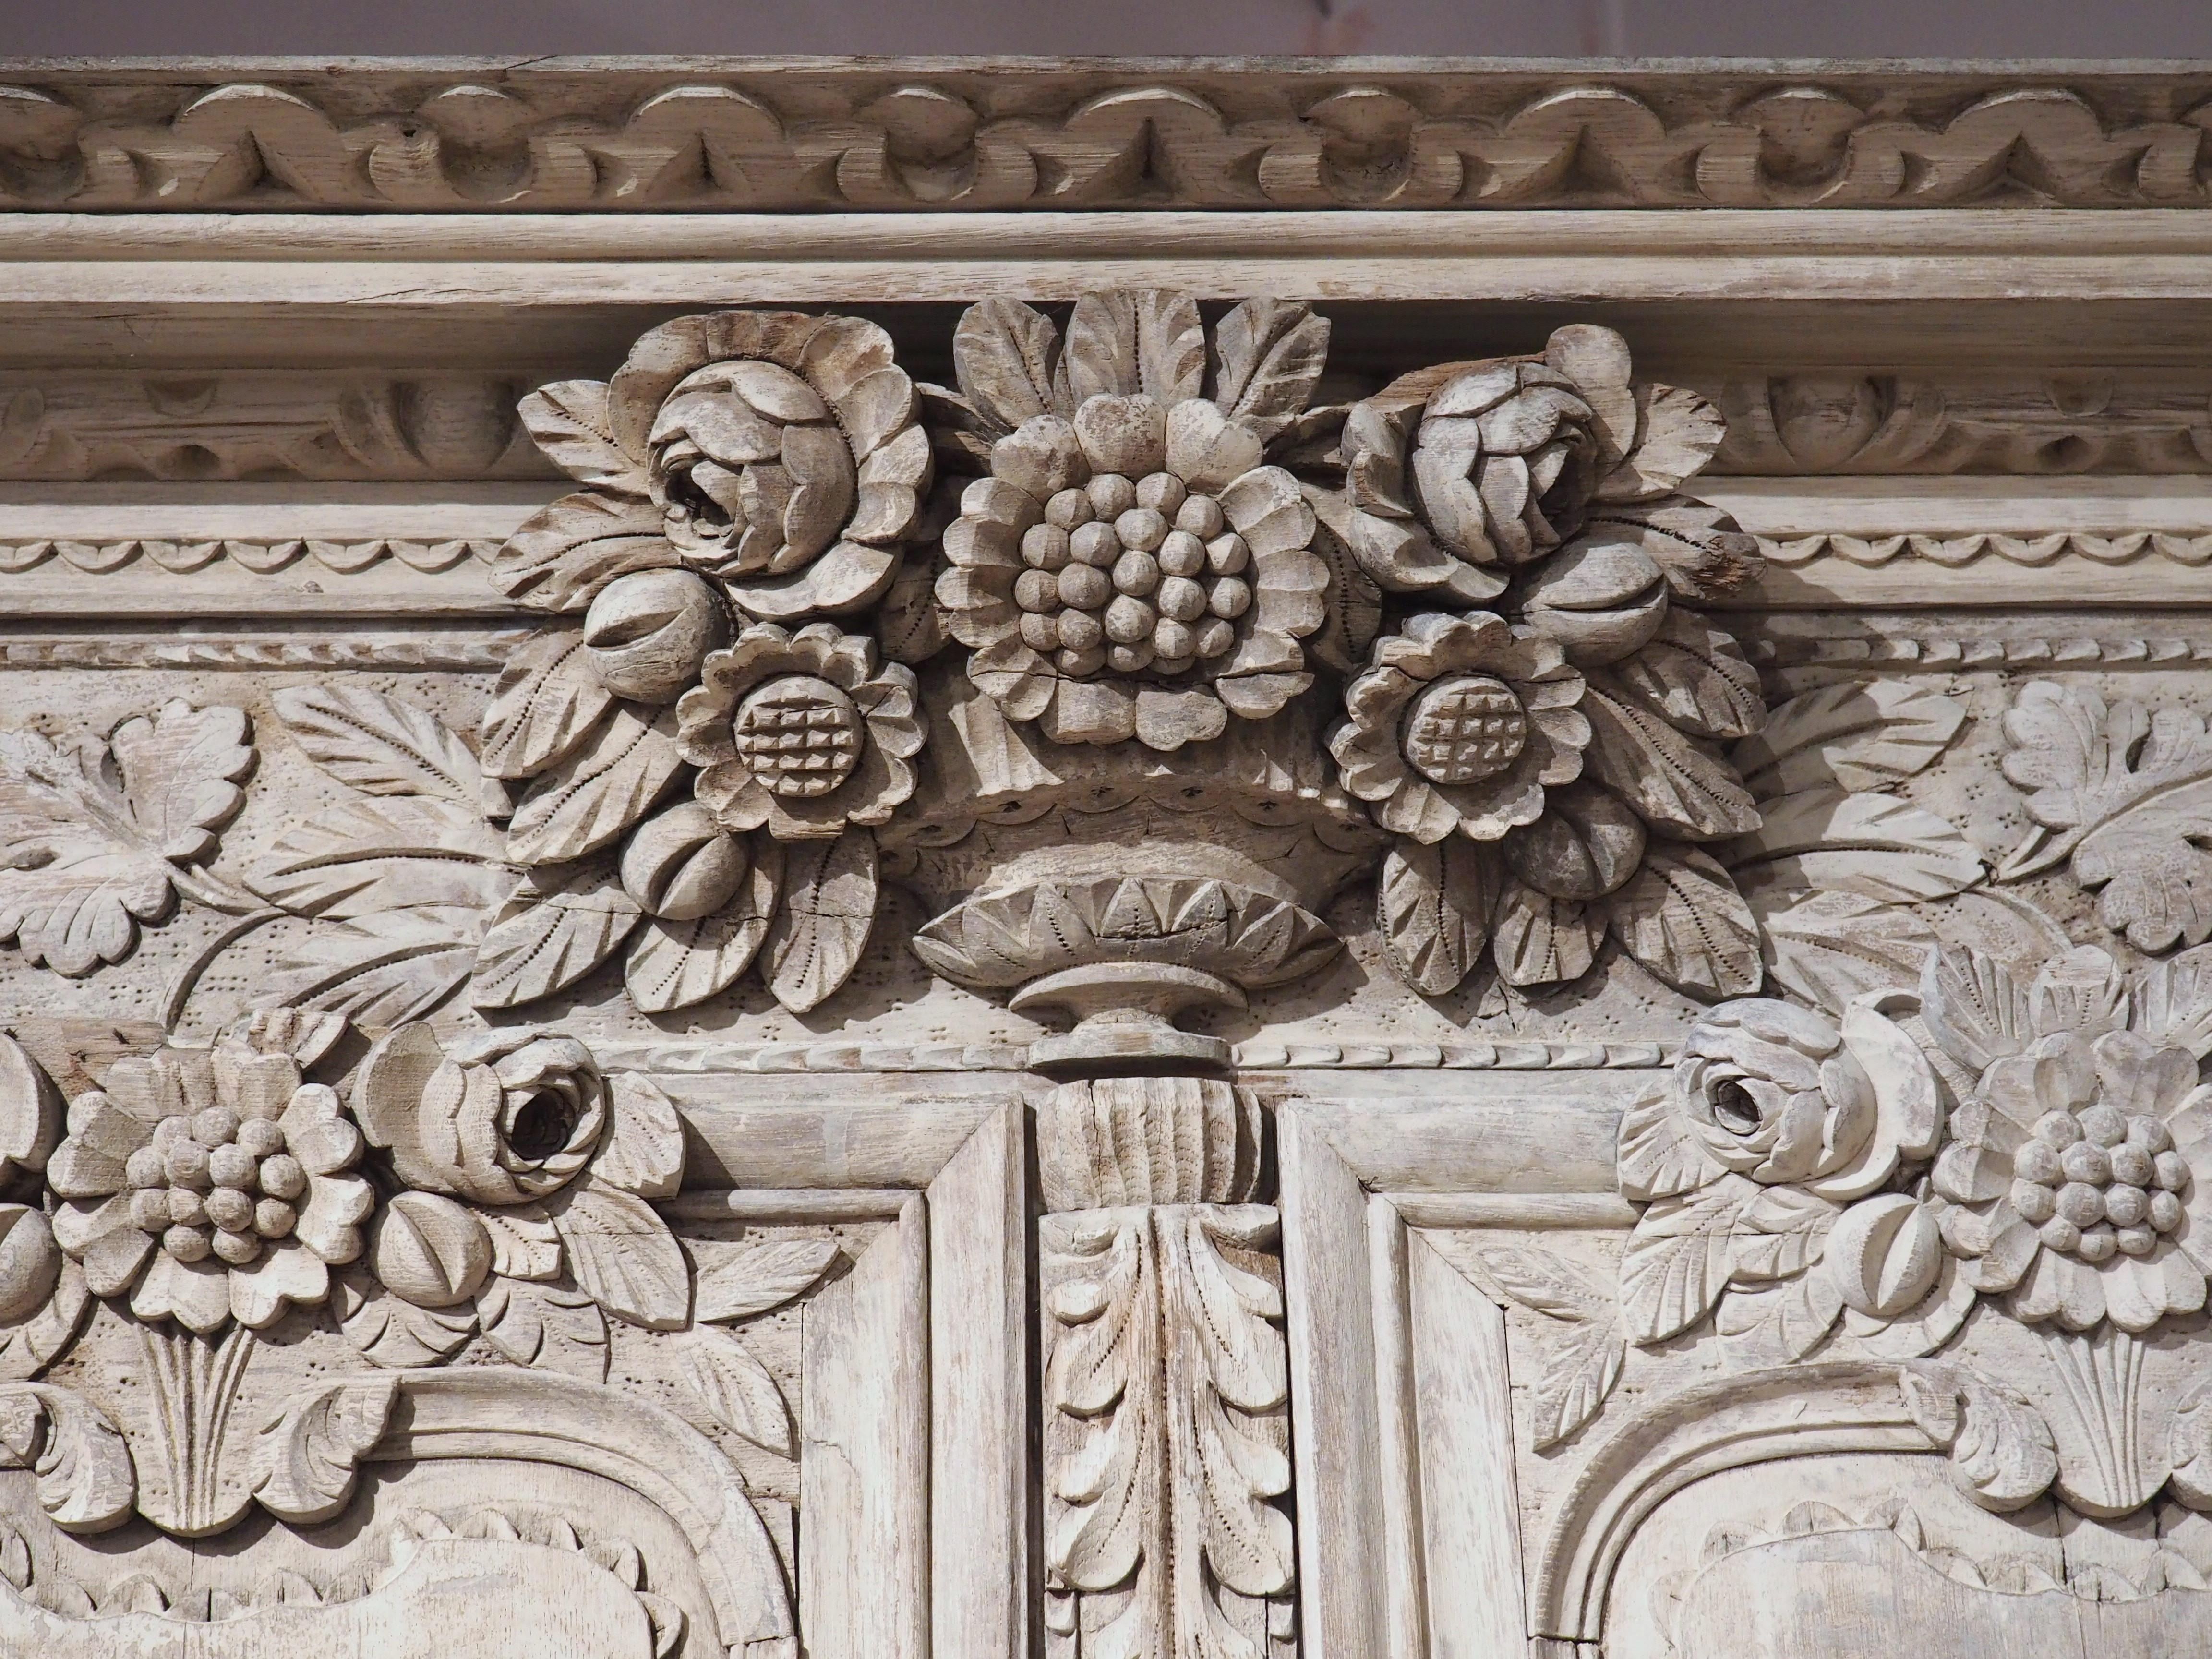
(1600, 598)
(30, 1261)
(429, 1250)
(649, 632)
(682, 864)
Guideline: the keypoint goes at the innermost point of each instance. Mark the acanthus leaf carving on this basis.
(305, 1459)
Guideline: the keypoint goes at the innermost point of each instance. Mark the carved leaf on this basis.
(675, 964)
(623, 1254)
(643, 1152)
(2189, 1449)
(524, 1244)
(86, 1480)
(90, 835)
(390, 1331)
(1681, 917)
(766, 1276)
(557, 1327)
(1974, 1008)
(1581, 1364)
(365, 856)
(1859, 735)
(1676, 1261)
(1674, 783)
(822, 927)
(1006, 358)
(382, 969)
(1546, 1283)
(592, 795)
(1781, 1232)
(736, 1389)
(2000, 1445)
(1695, 677)
(549, 700)
(1779, 1324)
(380, 745)
(558, 925)
(1830, 947)
(1542, 940)
(1877, 845)
(1434, 905)
(568, 549)
(1655, 1158)
(1706, 557)
(35, 1341)
(1677, 433)
(305, 1458)
(567, 422)
(1132, 340)
(1268, 358)
(2173, 1002)
(910, 619)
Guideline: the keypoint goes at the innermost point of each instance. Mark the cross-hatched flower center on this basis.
(798, 735)
(1464, 729)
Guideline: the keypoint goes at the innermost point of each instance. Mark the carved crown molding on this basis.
(569, 135)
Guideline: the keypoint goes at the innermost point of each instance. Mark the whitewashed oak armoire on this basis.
(1336, 860)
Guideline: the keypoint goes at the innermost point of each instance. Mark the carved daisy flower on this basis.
(802, 733)
(210, 1184)
(1132, 567)
(1460, 723)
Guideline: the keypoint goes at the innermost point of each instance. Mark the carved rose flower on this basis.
(1769, 1091)
(211, 1184)
(519, 1136)
(779, 453)
(1460, 723)
(2073, 1172)
(1132, 566)
(802, 733)
(1456, 477)
(503, 1118)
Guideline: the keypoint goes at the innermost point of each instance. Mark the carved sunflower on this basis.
(1461, 723)
(211, 1185)
(1133, 566)
(802, 733)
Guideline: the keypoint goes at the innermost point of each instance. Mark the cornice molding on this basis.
(643, 135)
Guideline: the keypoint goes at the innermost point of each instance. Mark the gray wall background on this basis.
(1888, 28)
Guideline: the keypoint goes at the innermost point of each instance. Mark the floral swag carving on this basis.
(1127, 653)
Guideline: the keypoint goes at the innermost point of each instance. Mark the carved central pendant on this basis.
(1465, 729)
(798, 735)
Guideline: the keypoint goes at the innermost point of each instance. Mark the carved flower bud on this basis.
(682, 866)
(30, 1261)
(649, 632)
(1600, 599)
(1883, 1253)
(1587, 845)
(429, 1250)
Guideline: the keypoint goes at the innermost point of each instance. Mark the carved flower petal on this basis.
(104, 1238)
(1040, 457)
(1487, 810)
(2135, 1292)
(148, 1094)
(2139, 1079)
(76, 1170)
(329, 1220)
(848, 576)
(1267, 508)
(196, 1294)
(1417, 809)
(1089, 711)
(254, 1084)
(2011, 1250)
(1009, 671)
(1206, 449)
(876, 408)
(1971, 1175)
(98, 1125)
(737, 798)
(284, 1272)
(1124, 435)
(2185, 1284)
(1167, 720)
(1256, 696)
(996, 502)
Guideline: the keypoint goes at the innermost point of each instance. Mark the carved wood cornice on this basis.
(963, 135)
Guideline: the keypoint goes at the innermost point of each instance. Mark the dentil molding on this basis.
(953, 858)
